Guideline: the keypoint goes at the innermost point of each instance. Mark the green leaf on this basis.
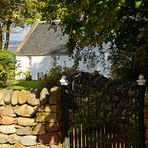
(138, 4)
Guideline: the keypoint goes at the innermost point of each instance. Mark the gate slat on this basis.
(81, 135)
(97, 145)
(77, 137)
(74, 137)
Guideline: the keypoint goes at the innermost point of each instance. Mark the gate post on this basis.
(141, 91)
(64, 104)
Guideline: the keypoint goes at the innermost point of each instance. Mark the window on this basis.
(30, 62)
(55, 60)
(91, 64)
(40, 75)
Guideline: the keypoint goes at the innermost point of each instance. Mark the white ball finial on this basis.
(64, 80)
(141, 80)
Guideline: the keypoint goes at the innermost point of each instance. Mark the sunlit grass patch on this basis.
(22, 84)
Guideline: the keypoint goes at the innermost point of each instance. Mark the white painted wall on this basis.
(21, 66)
(41, 64)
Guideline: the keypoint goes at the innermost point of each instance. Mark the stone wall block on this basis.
(52, 127)
(38, 129)
(24, 110)
(13, 138)
(8, 111)
(25, 121)
(39, 108)
(5, 146)
(28, 140)
(44, 96)
(2, 94)
(18, 145)
(51, 139)
(15, 96)
(39, 145)
(1, 110)
(55, 146)
(55, 95)
(23, 96)
(50, 108)
(3, 138)
(8, 120)
(7, 129)
(7, 96)
(43, 117)
(23, 131)
(42, 146)
(32, 100)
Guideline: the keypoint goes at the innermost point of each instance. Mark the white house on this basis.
(43, 47)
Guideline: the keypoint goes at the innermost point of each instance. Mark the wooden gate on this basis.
(100, 113)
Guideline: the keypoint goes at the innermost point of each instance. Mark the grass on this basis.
(22, 84)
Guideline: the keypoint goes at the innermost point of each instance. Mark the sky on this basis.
(17, 34)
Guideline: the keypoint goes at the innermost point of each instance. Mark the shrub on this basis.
(7, 67)
(55, 74)
(28, 75)
(51, 78)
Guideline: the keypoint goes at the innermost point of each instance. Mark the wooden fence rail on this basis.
(96, 138)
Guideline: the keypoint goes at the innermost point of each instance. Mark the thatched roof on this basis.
(43, 39)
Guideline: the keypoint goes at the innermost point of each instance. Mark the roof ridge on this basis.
(53, 21)
(28, 34)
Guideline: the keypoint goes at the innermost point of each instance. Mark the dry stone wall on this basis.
(27, 121)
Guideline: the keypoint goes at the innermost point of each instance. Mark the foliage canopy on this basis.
(121, 25)
(17, 13)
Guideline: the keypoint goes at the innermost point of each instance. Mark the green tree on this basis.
(7, 67)
(120, 24)
(16, 13)
(129, 54)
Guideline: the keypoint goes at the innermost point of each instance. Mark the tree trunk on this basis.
(1, 37)
(7, 35)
